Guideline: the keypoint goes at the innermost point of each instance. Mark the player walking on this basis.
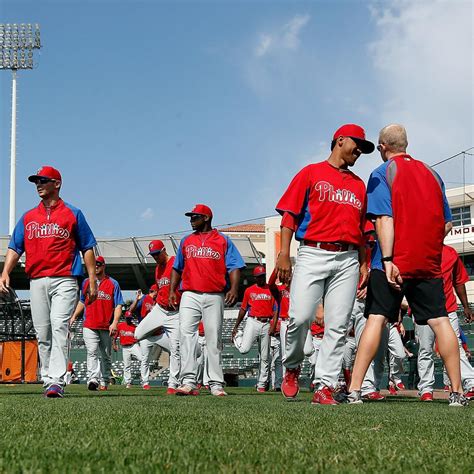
(206, 259)
(52, 235)
(324, 206)
(406, 261)
(130, 346)
(261, 307)
(101, 318)
(162, 314)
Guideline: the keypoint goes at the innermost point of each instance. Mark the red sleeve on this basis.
(245, 302)
(460, 275)
(290, 221)
(294, 198)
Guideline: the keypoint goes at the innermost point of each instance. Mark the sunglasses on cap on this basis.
(41, 180)
(99, 264)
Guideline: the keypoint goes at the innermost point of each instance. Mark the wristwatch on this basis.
(387, 259)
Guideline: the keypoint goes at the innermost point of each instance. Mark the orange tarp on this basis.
(10, 358)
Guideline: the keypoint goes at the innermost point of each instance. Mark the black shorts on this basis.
(425, 297)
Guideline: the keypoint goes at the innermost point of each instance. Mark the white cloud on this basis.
(284, 38)
(147, 214)
(423, 59)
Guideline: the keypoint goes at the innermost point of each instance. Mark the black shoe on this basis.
(457, 400)
(92, 386)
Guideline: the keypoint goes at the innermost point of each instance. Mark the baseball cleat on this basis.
(290, 386)
(103, 388)
(146, 386)
(373, 396)
(185, 390)
(92, 386)
(470, 394)
(426, 397)
(261, 390)
(324, 397)
(354, 398)
(457, 400)
(54, 391)
(392, 389)
(400, 386)
(218, 392)
(170, 391)
(447, 388)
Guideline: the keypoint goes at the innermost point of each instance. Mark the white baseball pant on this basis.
(425, 358)
(169, 320)
(283, 331)
(349, 353)
(99, 355)
(210, 308)
(396, 355)
(202, 375)
(334, 276)
(374, 374)
(256, 330)
(53, 300)
(127, 353)
(148, 349)
(276, 364)
(313, 356)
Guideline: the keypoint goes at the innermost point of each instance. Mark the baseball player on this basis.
(261, 307)
(454, 280)
(52, 235)
(324, 206)
(276, 366)
(313, 344)
(130, 346)
(150, 339)
(406, 260)
(396, 356)
(206, 263)
(162, 315)
(100, 324)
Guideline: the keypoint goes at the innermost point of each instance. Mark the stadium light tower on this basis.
(17, 42)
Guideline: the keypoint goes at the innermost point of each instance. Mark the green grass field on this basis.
(135, 431)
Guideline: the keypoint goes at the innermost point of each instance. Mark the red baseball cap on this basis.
(260, 270)
(357, 133)
(154, 287)
(200, 209)
(100, 259)
(46, 172)
(155, 246)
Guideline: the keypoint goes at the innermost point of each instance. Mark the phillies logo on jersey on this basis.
(260, 296)
(165, 281)
(341, 196)
(202, 252)
(102, 295)
(285, 294)
(43, 231)
(125, 333)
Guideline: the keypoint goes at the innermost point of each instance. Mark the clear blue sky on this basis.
(148, 107)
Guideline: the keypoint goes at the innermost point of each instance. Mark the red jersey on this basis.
(126, 334)
(163, 280)
(204, 259)
(147, 305)
(412, 194)
(317, 330)
(258, 301)
(454, 274)
(284, 301)
(51, 239)
(326, 203)
(201, 328)
(100, 313)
